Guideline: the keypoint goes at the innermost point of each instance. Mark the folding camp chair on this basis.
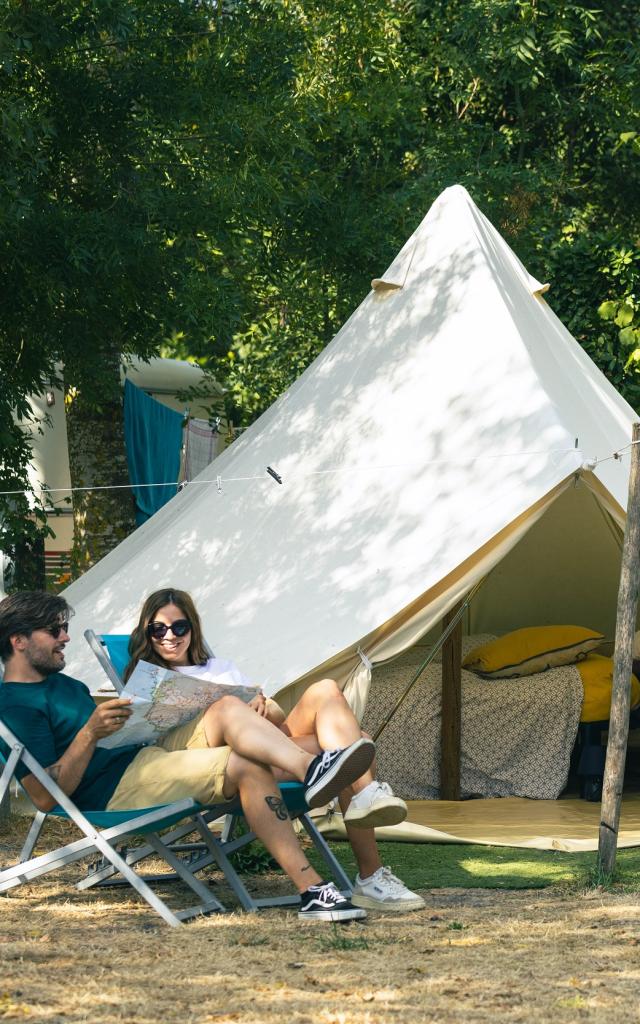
(101, 831)
(111, 650)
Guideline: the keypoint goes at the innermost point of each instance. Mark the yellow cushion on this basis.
(532, 650)
(596, 673)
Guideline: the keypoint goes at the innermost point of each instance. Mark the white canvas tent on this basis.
(451, 414)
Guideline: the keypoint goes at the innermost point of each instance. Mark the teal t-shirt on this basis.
(46, 717)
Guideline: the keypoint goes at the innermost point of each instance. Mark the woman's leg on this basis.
(323, 712)
(229, 722)
(362, 840)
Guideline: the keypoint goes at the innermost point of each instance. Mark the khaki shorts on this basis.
(179, 765)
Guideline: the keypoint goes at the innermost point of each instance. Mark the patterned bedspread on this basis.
(517, 734)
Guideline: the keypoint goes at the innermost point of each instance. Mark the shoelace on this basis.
(327, 758)
(329, 894)
(382, 788)
(391, 880)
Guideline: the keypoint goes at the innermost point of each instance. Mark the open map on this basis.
(163, 699)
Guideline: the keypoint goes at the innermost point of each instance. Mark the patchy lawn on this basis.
(562, 953)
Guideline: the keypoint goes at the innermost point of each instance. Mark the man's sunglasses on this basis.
(158, 630)
(55, 631)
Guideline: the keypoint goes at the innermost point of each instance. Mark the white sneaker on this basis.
(374, 806)
(383, 891)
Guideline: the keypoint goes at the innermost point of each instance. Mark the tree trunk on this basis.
(25, 561)
(97, 459)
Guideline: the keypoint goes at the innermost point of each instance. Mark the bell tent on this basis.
(452, 430)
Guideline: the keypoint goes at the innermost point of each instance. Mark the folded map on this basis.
(163, 698)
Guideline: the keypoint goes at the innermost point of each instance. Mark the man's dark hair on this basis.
(28, 610)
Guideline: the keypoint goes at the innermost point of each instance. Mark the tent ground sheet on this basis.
(569, 824)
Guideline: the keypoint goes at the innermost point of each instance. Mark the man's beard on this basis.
(43, 661)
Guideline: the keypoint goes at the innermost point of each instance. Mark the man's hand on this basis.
(259, 704)
(69, 769)
(108, 717)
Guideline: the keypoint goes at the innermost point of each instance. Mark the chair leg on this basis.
(218, 854)
(209, 901)
(32, 838)
(323, 848)
(103, 871)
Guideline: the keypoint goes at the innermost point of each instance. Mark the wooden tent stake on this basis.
(622, 662)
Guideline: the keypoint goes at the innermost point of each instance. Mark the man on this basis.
(59, 723)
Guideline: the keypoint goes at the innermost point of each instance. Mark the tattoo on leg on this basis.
(277, 805)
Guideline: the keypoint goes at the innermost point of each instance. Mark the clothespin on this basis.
(276, 476)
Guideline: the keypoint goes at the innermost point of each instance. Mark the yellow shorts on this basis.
(179, 765)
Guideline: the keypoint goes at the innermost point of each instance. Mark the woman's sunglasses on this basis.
(158, 630)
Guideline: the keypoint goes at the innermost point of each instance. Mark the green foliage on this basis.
(365, 111)
(600, 879)
(99, 218)
(252, 859)
(221, 179)
(342, 940)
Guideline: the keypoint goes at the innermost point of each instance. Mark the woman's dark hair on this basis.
(140, 646)
(27, 610)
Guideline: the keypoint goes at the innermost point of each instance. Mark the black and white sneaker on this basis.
(332, 770)
(325, 903)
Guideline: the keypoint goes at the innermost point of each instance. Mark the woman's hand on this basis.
(259, 704)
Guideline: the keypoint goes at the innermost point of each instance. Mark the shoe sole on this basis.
(351, 766)
(368, 903)
(356, 914)
(377, 817)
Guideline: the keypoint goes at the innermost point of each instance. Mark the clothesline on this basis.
(588, 464)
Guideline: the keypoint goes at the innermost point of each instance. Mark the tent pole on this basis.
(455, 617)
(622, 658)
(451, 714)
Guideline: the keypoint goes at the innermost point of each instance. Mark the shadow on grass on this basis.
(437, 866)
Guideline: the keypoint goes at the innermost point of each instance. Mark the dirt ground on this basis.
(473, 955)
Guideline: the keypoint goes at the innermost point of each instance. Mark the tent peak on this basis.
(459, 217)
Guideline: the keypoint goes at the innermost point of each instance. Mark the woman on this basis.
(169, 633)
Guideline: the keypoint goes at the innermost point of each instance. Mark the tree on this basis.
(100, 216)
(222, 179)
(339, 124)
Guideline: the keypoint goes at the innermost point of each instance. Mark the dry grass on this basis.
(473, 955)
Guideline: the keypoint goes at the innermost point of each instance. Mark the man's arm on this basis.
(68, 770)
